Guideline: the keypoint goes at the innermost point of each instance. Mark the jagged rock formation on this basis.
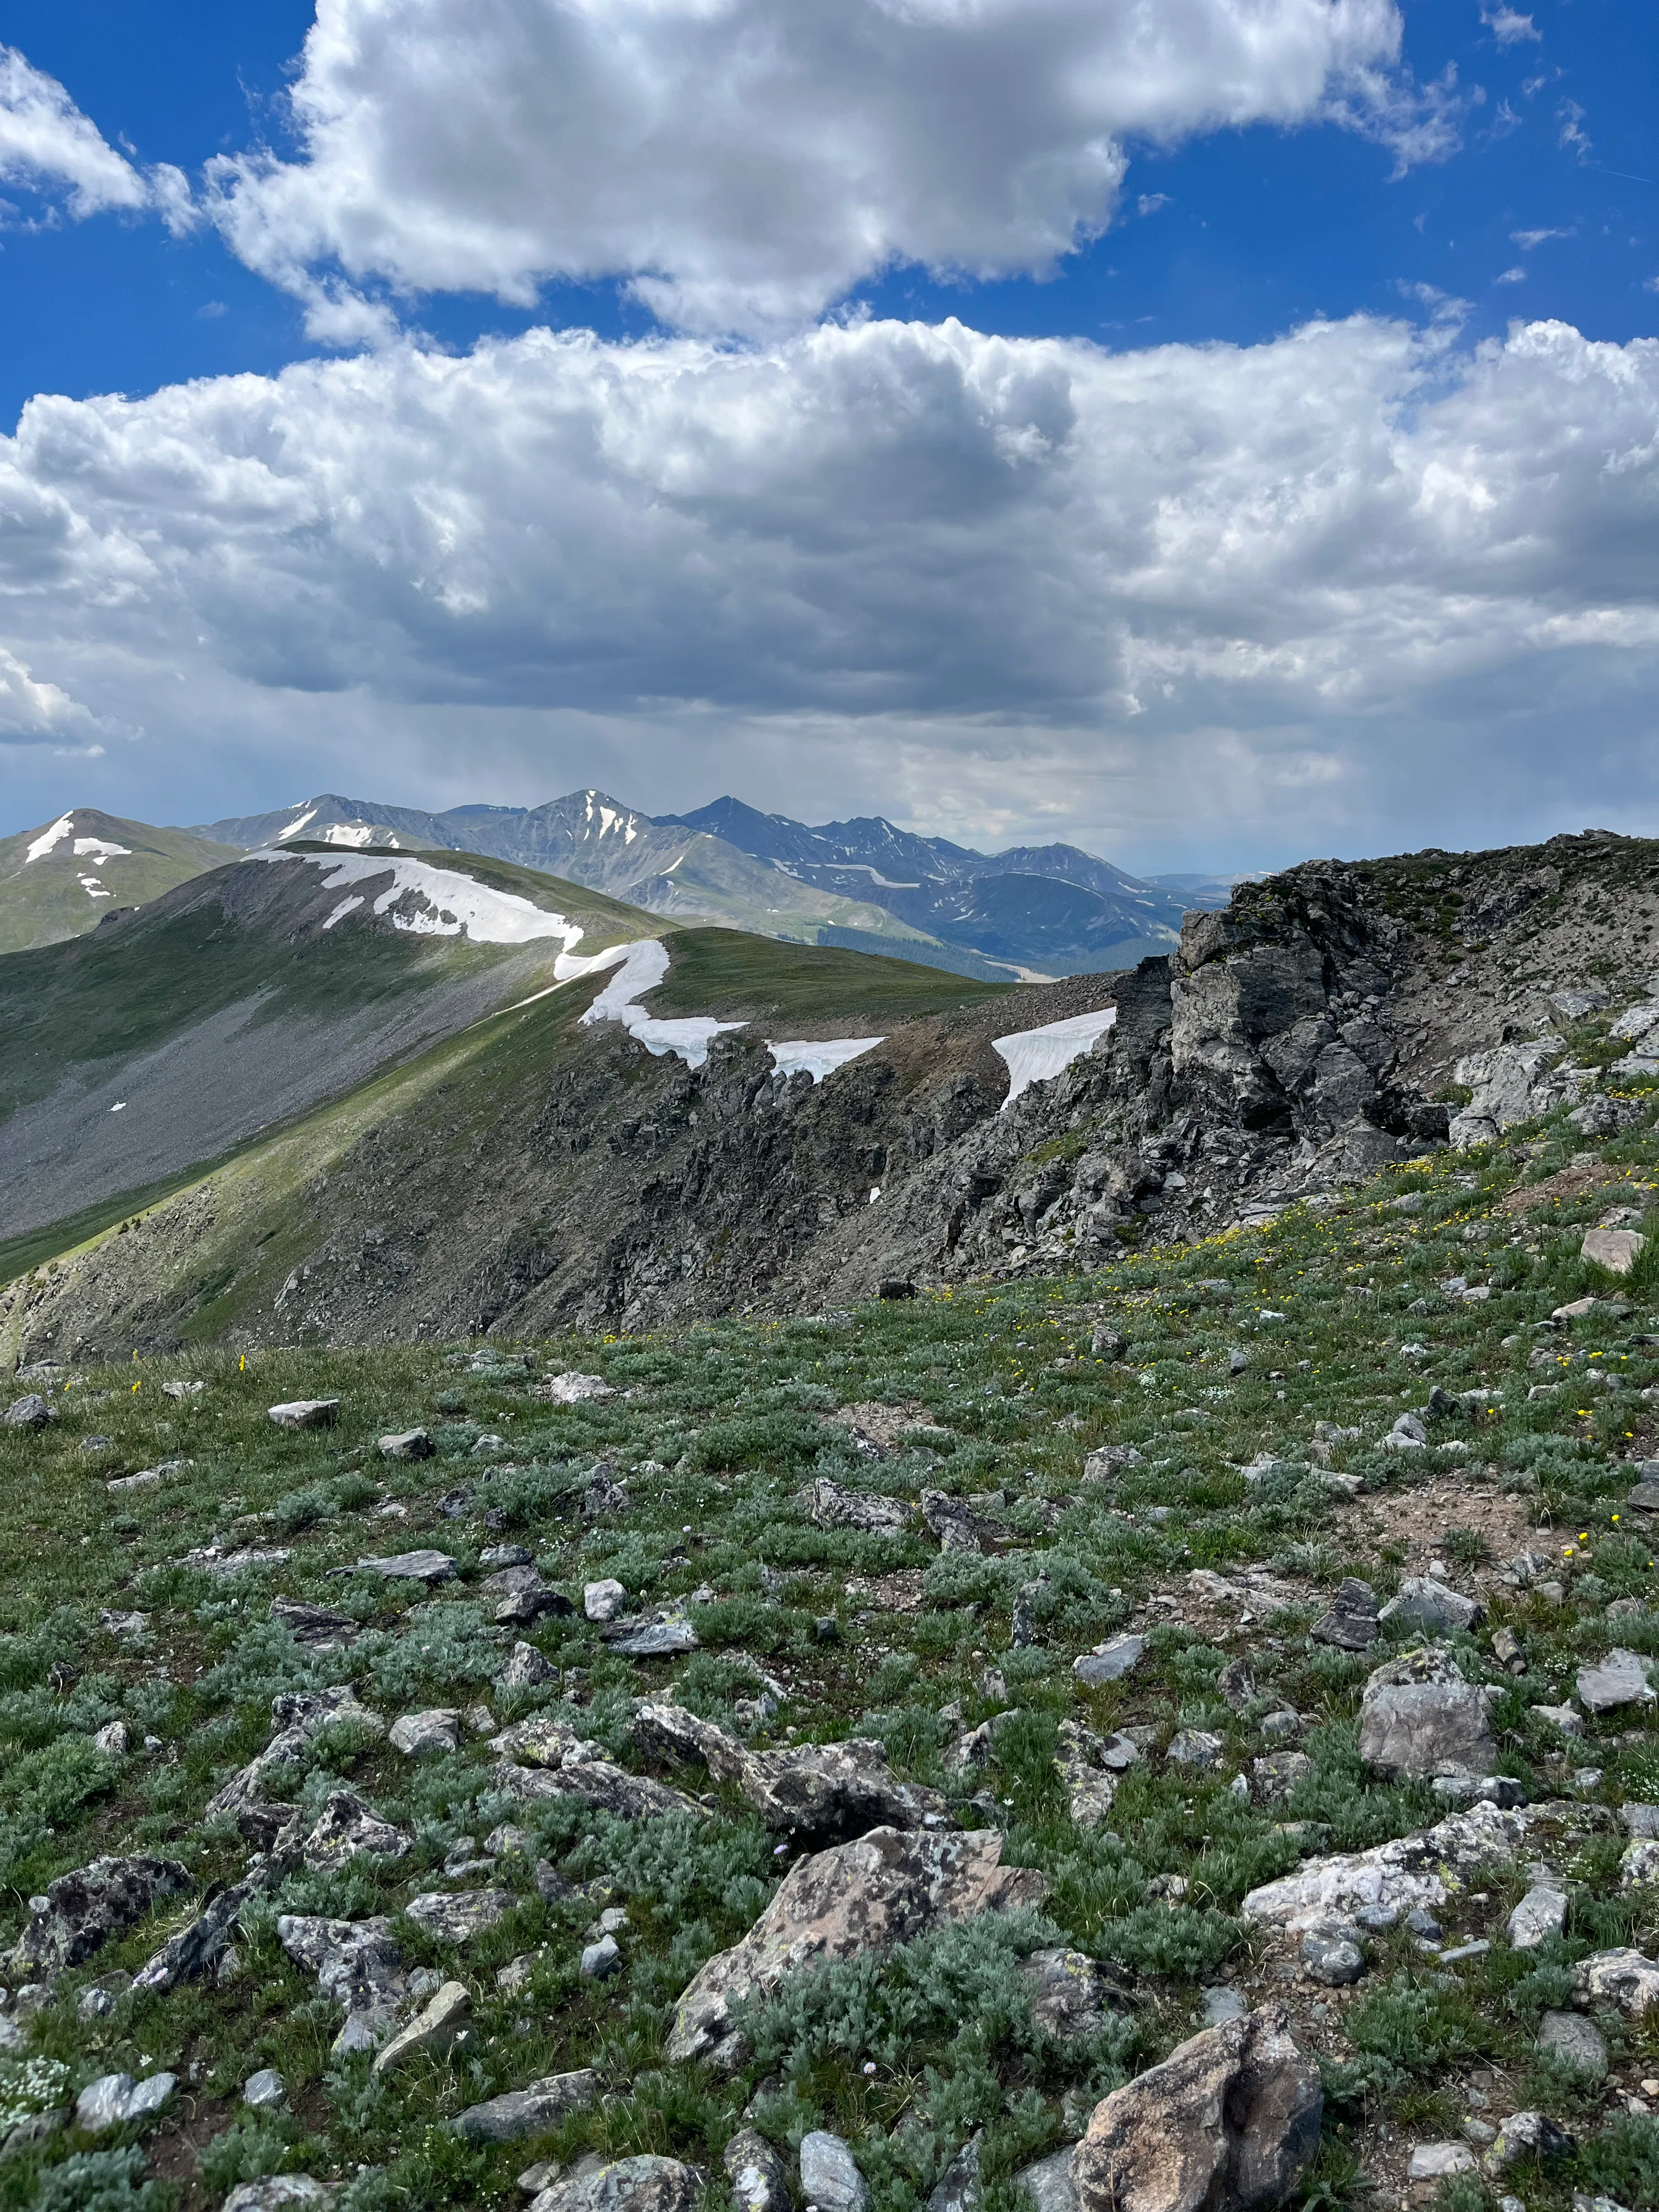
(1331, 1021)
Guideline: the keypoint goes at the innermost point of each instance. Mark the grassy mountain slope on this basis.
(1248, 1387)
(532, 1165)
(228, 1005)
(62, 893)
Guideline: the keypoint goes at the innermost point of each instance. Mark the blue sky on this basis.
(1498, 171)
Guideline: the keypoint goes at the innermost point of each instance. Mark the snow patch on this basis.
(295, 827)
(1034, 1056)
(642, 966)
(452, 903)
(94, 848)
(49, 838)
(350, 833)
(346, 906)
(818, 1056)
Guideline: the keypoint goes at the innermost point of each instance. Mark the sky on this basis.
(1215, 434)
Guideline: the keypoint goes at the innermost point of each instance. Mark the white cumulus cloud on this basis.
(48, 146)
(1327, 580)
(31, 711)
(742, 163)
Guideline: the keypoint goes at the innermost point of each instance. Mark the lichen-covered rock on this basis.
(887, 1887)
(827, 1505)
(85, 1908)
(347, 1828)
(646, 2184)
(1400, 1875)
(1625, 1978)
(1228, 2121)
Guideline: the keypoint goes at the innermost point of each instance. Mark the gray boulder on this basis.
(958, 2188)
(1419, 1717)
(426, 1736)
(665, 1634)
(1049, 2184)
(1331, 1956)
(1575, 2041)
(277, 2192)
(526, 1669)
(457, 1918)
(1109, 1662)
(347, 1828)
(1430, 1608)
(1624, 1976)
(1071, 1994)
(829, 1506)
(1620, 1680)
(887, 1887)
(357, 1965)
(1541, 1913)
(1087, 1767)
(822, 1793)
(408, 1443)
(116, 2101)
(829, 2177)
(28, 1413)
(528, 2112)
(1229, 2121)
(423, 1567)
(1351, 1623)
(599, 1783)
(304, 1413)
(646, 2183)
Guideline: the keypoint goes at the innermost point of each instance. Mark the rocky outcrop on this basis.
(1419, 1717)
(820, 1793)
(886, 1888)
(82, 1910)
(1228, 2122)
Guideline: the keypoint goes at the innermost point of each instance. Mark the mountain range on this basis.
(61, 880)
(1029, 913)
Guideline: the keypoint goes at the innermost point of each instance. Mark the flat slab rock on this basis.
(421, 1566)
(599, 1783)
(530, 2111)
(1621, 1679)
(458, 1918)
(1400, 1876)
(887, 1887)
(827, 1505)
(662, 1635)
(1229, 2120)
(304, 1413)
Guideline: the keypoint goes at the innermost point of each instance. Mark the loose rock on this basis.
(1228, 2121)
(1419, 1717)
(1620, 1680)
(887, 1887)
(829, 2177)
(304, 1413)
(528, 2112)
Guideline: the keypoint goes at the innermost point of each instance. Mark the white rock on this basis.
(828, 2175)
(304, 1412)
(1624, 1977)
(1435, 2162)
(1398, 1875)
(603, 1601)
(1541, 1913)
(424, 1736)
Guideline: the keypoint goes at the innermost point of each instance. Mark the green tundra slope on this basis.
(61, 880)
(909, 1523)
(490, 1170)
(241, 999)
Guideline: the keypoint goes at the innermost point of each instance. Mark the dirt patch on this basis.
(1569, 1184)
(883, 1425)
(1420, 1521)
(899, 1592)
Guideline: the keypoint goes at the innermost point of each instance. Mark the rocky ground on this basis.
(1176, 1735)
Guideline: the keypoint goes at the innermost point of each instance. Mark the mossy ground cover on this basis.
(1343, 1316)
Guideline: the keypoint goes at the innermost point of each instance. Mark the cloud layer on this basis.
(58, 154)
(744, 162)
(1295, 578)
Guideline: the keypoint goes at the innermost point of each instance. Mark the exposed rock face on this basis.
(1229, 2121)
(357, 1965)
(646, 2183)
(1397, 1876)
(824, 1792)
(1290, 1043)
(885, 1888)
